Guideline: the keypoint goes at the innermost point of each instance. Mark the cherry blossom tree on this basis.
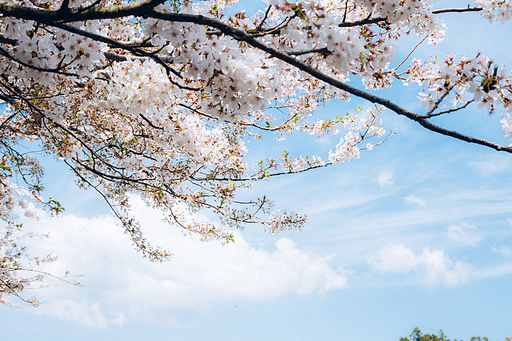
(158, 98)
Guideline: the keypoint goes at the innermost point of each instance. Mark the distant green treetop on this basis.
(417, 335)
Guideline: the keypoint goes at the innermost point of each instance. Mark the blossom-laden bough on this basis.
(158, 97)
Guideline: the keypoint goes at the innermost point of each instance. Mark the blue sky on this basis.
(417, 232)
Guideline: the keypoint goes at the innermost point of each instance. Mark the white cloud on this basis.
(415, 200)
(493, 271)
(121, 286)
(491, 167)
(385, 178)
(81, 312)
(432, 267)
(464, 234)
(393, 258)
(502, 250)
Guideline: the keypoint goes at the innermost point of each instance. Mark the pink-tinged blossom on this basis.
(506, 123)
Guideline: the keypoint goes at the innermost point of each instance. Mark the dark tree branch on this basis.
(323, 51)
(457, 10)
(120, 58)
(366, 21)
(260, 26)
(4, 122)
(64, 7)
(438, 102)
(8, 41)
(369, 21)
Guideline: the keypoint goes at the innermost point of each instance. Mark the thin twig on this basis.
(448, 111)
(410, 53)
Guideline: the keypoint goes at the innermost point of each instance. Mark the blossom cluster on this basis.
(477, 80)
(500, 11)
(412, 14)
(359, 128)
(16, 200)
(12, 196)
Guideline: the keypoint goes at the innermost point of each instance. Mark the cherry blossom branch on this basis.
(9, 289)
(274, 128)
(147, 9)
(323, 51)
(6, 54)
(8, 41)
(136, 51)
(120, 58)
(272, 30)
(438, 102)
(457, 10)
(410, 53)
(7, 119)
(448, 111)
(144, 183)
(260, 25)
(60, 278)
(361, 22)
(68, 131)
(369, 21)
(243, 36)
(141, 244)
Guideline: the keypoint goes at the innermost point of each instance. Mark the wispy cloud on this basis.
(502, 250)
(491, 166)
(415, 200)
(385, 178)
(80, 312)
(493, 271)
(464, 234)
